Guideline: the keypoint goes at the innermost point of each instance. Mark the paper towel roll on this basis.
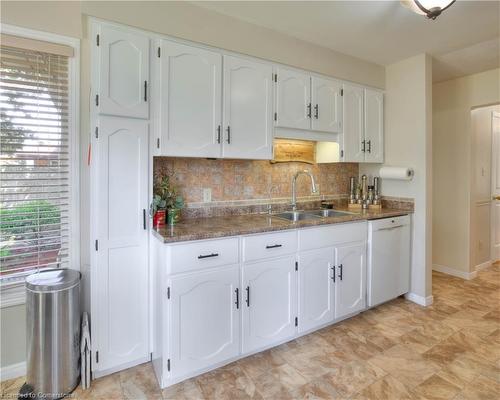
(401, 173)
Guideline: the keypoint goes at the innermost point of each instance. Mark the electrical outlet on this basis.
(207, 195)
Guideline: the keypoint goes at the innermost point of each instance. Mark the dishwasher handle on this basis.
(389, 228)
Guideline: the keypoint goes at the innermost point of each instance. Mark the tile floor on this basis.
(399, 350)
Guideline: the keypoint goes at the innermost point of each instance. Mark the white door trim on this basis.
(495, 159)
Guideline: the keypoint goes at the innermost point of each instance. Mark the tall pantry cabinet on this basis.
(120, 113)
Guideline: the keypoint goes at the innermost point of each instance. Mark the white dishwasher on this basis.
(388, 259)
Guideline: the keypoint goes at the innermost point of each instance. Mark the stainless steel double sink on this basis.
(295, 216)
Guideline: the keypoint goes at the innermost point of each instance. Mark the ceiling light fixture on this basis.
(430, 8)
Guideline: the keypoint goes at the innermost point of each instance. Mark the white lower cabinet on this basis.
(316, 288)
(269, 302)
(350, 288)
(225, 298)
(205, 320)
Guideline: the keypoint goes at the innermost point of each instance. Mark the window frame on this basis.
(15, 295)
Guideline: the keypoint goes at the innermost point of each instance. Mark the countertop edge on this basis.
(291, 225)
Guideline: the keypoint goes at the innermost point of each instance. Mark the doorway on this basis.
(485, 187)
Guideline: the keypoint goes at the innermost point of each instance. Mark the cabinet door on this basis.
(350, 289)
(374, 126)
(293, 99)
(124, 73)
(316, 287)
(190, 97)
(248, 109)
(326, 105)
(204, 320)
(269, 295)
(353, 134)
(120, 277)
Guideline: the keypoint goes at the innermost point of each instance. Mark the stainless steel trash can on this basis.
(53, 332)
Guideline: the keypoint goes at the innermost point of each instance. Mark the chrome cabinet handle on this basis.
(316, 111)
(144, 218)
(369, 143)
(218, 134)
(341, 267)
(333, 273)
(145, 90)
(274, 246)
(363, 148)
(309, 110)
(228, 130)
(248, 296)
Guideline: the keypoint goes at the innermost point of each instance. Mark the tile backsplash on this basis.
(247, 180)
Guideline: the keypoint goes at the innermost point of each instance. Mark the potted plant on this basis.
(165, 201)
(174, 206)
(158, 210)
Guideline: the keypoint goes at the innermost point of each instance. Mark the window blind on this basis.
(34, 162)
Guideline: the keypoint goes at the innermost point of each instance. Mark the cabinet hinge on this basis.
(159, 52)
(96, 132)
(168, 364)
(341, 153)
(97, 100)
(275, 77)
(97, 357)
(275, 116)
(296, 321)
(296, 265)
(97, 40)
(158, 143)
(341, 92)
(97, 245)
(168, 292)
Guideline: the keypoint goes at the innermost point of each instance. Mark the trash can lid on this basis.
(53, 279)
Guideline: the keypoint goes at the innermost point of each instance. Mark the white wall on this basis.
(452, 143)
(408, 142)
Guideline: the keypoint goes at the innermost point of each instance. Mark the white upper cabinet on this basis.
(363, 135)
(269, 302)
(316, 288)
(248, 109)
(205, 326)
(120, 295)
(123, 72)
(374, 126)
(354, 135)
(293, 94)
(326, 99)
(350, 288)
(191, 98)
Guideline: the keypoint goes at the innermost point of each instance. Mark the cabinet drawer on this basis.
(269, 245)
(205, 254)
(330, 235)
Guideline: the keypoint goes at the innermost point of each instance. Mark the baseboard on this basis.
(420, 300)
(484, 265)
(454, 272)
(13, 371)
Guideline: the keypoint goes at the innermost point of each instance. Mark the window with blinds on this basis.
(34, 162)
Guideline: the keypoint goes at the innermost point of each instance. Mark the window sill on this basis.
(14, 296)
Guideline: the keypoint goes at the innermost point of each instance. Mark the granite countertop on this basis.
(216, 227)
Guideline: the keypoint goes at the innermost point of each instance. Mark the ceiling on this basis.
(463, 40)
